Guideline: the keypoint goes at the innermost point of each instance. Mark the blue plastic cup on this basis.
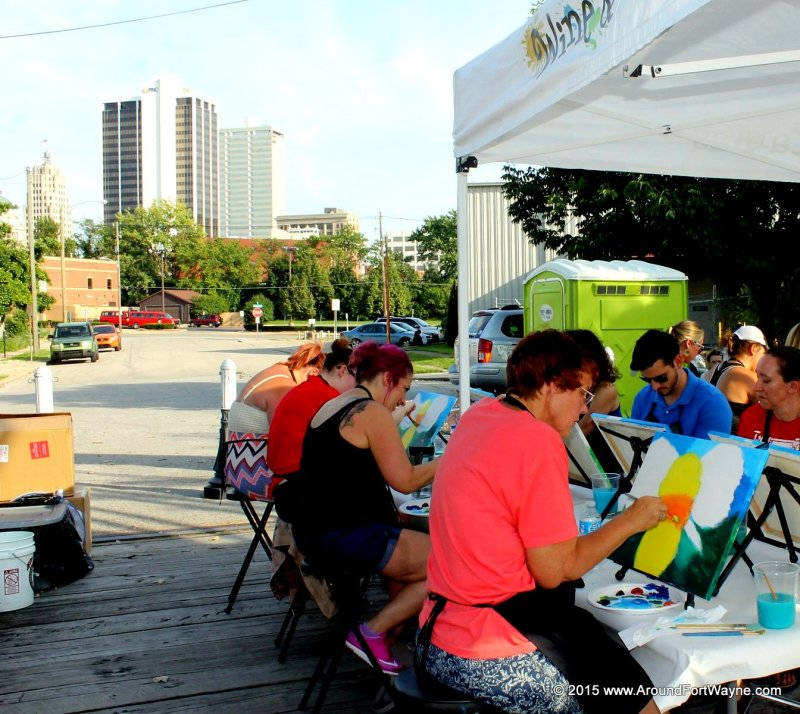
(776, 593)
(604, 486)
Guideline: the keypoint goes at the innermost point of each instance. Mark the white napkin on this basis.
(642, 634)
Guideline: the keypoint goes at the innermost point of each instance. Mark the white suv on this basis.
(492, 336)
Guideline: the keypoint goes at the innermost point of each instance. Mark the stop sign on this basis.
(257, 312)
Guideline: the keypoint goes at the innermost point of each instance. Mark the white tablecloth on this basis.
(677, 664)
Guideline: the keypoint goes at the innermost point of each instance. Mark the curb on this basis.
(433, 376)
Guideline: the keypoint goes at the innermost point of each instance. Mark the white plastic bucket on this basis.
(16, 569)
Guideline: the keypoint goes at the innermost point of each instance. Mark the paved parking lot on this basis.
(146, 422)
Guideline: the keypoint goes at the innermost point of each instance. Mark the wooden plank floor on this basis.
(146, 632)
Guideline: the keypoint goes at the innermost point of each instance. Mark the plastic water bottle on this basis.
(588, 520)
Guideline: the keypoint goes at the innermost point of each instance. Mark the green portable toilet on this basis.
(617, 300)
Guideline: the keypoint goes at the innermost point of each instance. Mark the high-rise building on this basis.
(122, 157)
(162, 146)
(47, 196)
(252, 182)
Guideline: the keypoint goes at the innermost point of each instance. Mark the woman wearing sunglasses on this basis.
(674, 396)
(501, 622)
(690, 342)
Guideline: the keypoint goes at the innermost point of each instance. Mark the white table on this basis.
(677, 664)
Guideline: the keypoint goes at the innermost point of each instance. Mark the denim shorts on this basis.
(366, 548)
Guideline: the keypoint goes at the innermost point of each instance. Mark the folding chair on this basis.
(247, 481)
(349, 591)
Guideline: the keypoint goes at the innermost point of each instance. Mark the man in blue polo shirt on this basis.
(675, 397)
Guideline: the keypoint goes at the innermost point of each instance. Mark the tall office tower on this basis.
(252, 181)
(47, 196)
(162, 146)
(122, 157)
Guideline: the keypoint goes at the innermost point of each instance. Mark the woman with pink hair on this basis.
(339, 504)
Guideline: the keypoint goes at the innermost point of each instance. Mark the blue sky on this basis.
(361, 89)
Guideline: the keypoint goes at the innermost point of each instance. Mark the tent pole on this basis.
(463, 166)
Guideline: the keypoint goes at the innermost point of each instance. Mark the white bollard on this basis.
(43, 384)
(227, 371)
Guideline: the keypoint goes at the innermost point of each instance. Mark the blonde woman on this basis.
(690, 338)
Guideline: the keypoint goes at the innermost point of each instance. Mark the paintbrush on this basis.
(711, 626)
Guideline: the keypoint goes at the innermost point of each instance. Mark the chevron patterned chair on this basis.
(248, 481)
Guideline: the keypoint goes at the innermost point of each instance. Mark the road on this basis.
(146, 423)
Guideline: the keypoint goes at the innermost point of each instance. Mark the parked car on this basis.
(205, 321)
(492, 336)
(401, 335)
(149, 317)
(112, 317)
(433, 334)
(73, 340)
(108, 336)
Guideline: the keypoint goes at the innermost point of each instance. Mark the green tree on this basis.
(141, 232)
(437, 240)
(402, 280)
(429, 295)
(15, 283)
(92, 238)
(742, 235)
(211, 303)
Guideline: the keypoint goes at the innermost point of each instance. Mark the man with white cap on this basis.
(736, 378)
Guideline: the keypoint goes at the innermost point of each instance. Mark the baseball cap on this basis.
(750, 333)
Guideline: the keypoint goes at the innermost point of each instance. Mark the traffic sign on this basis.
(257, 312)
(335, 304)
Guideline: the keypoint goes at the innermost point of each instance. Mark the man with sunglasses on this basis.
(674, 396)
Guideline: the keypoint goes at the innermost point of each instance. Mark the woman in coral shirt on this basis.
(505, 550)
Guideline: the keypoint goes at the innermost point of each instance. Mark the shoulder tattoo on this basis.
(358, 407)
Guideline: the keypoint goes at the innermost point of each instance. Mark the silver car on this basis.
(492, 336)
(400, 334)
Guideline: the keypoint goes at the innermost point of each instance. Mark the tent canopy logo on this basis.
(548, 39)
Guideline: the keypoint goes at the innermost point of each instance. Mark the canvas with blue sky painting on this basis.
(420, 427)
(708, 488)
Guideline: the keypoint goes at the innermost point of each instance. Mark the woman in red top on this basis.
(775, 417)
(505, 550)
(298, 407)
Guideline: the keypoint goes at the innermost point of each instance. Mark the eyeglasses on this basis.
(350, 371)
(660, 379)
(587, 396)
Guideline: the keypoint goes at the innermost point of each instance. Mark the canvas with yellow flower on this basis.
(707, 488)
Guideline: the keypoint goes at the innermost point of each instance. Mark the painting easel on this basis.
(582, 462)
(782, 474)
(718, 500)
(628, 440)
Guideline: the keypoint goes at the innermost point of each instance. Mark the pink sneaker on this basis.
(379, 647)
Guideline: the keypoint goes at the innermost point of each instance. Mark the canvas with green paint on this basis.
(707, 488)
(422, 425)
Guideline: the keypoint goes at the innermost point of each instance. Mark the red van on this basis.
(112, 316)
(137, 318)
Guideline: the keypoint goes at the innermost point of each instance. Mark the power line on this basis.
(122, 22)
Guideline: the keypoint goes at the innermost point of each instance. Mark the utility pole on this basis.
(385, 263)
(119, 276)
(32, 266)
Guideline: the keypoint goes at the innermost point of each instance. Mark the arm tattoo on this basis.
(358, 407)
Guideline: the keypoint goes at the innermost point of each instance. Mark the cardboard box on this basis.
(36, 454)
(81, 498)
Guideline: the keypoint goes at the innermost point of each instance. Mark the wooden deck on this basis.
(146, 632)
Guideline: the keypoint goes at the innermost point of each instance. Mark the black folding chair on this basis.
(249, 456)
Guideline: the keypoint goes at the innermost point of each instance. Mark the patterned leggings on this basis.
(522, 684)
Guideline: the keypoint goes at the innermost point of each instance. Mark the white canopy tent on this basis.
(689, 87)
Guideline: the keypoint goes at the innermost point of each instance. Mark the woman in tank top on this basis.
(736, 378)
(339, 504)
(254, 407)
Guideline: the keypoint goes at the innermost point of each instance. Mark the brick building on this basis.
(90, 287)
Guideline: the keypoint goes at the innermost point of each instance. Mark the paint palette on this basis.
(622, 605)
(416, 507)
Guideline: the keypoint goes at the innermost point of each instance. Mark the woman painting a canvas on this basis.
(505, 553)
